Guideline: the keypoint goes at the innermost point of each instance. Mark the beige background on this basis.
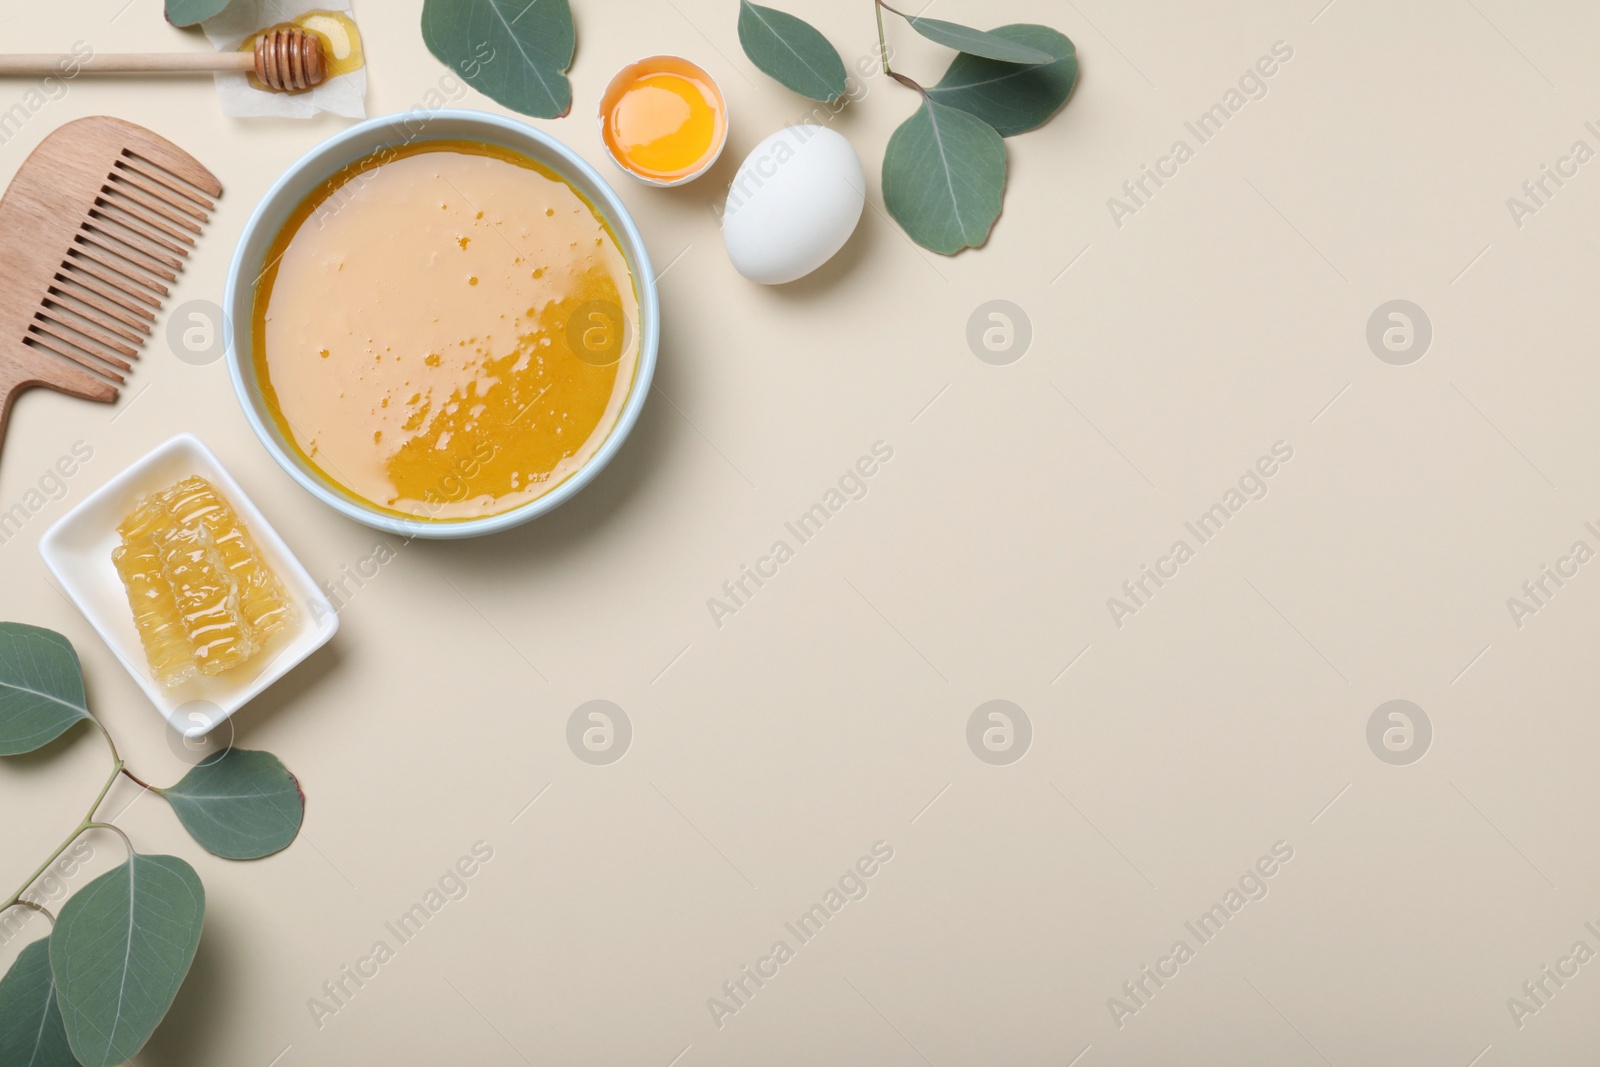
(1167, 756)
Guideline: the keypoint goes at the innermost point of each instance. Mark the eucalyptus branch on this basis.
(40, 908)
(879, 7)
(909, 83)
(883, 42)
(114, 828)
(243, 807)
(84, 824)
(112, 745)
(136, 780)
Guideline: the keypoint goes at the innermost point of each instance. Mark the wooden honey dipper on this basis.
(286, 59)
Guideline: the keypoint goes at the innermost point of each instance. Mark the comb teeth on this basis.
(101, 304)
(95, 227)
(118, 218)
(73, 354)
(61, 322)
(84, 288)
(85, 304)
(84, 272)
(123, 239)
(162, 176)
(171, 200)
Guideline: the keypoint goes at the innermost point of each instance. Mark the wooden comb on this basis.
(95, 224)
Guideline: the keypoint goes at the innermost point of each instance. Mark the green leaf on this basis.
(988, 45)
(120, 950)
(516, 52)
(189, 12)
(1013, 98)
(41, 687)
(792, 51)
(944, 174)
(31, 1034)
(242, 805)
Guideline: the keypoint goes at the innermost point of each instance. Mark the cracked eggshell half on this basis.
(794, 203)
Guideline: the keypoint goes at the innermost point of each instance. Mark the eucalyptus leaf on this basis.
(982, 43)
(792, 51)
(241, 805)
(189, 12)
(119, 952)
(41, 687)
(31, 1033)
(1013, 98)
(944, 175)
(516, 52)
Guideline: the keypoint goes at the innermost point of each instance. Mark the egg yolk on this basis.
(664, 124)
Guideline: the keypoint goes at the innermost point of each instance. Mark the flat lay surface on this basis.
(1162, 635)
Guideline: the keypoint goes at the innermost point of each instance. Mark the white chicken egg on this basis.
(794, 203)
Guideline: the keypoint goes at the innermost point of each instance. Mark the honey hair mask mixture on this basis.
(447, 330)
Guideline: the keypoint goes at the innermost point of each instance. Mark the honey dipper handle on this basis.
(128, 63)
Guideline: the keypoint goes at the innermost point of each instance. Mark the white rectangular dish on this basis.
(78, 548)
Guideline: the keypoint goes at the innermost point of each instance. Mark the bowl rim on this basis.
(515, 134)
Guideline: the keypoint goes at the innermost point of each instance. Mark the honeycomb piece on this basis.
(155, 611)
(207, 596)
(204, 600)
(261, 598)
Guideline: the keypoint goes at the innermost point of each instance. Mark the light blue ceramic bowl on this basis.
(357, 143)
